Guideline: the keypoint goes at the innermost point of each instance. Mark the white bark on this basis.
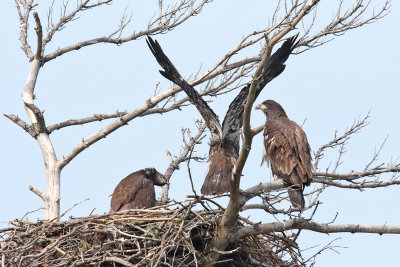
(27, 96)
(52, 200)
(302, 223)
(51, 197)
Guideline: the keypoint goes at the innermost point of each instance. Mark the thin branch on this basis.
(376, 154)
(260, 188)
(340, 140)
(69, 17)
(25, 126)
(174, 18)
(361, 185)
(73, 206)
(355, 175)
(39, 34)
(119, 261)
(95, 117)
(174, 163)
(258, 129)
(23, 21)
(348, 20)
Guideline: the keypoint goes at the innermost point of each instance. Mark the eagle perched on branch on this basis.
(136, 191)
(287, 151)
(225, 138)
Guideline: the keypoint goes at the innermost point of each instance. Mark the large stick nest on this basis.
(167, 237)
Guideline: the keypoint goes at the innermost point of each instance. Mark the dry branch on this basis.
(95, 117)
(174, 163)
(302, 223)
(167, 21)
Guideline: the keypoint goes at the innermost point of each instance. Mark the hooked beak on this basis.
(258, 106)
(160, 180)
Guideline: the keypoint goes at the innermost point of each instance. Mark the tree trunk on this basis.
(52, 196)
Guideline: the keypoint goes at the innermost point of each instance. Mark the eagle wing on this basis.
(172, 74)
(233, 120)
(126, 193)
(144, 197)
(287, 150)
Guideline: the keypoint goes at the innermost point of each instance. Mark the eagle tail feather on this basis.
(219, 175)
(217, 181)
(296, 197)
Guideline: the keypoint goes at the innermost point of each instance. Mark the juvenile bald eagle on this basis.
(287, 151)
(136, 191)
(225, 138)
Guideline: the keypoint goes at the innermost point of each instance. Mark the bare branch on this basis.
(39, 34)
(38, 192)
(174, 164)
(172, 18)
(23, 21)
(356, 175)
(376, 154)
(39, 126)
(338, 141)
(260, 188)
(95, 117)
(343, 22)
(26, 127)
(361, 185)
(258, 129)
(82, 6)
(301, 223)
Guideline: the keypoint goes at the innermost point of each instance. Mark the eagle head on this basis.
(271, 108)
(155, 176)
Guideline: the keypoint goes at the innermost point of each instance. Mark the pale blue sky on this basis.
(329, 86)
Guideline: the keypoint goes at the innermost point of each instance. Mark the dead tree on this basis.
(283, 24)
(169, 17)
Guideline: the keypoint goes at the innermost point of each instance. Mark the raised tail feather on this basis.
(219, 176)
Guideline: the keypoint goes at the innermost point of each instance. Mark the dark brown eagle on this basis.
(287, 151)
(136, 191)
(225, 138)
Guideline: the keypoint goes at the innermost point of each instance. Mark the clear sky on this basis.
(328, 86)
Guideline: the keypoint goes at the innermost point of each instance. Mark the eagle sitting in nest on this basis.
(136, 191)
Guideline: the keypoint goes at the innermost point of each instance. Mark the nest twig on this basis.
(152, 237)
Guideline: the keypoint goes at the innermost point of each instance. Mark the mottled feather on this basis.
(287, 151)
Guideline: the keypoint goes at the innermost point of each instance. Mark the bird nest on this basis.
(151, 237)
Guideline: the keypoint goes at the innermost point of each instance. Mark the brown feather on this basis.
(136, 191)
(219, 176)
(287, 150)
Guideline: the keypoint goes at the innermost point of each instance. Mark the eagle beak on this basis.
(261, 106)
(160, 180)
